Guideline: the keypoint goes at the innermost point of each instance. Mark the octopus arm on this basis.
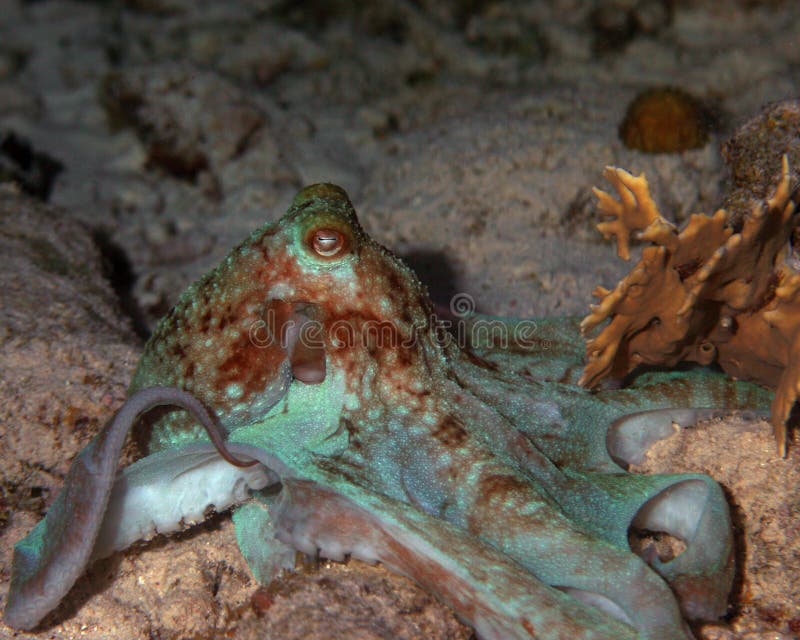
(487, 589)
(99, 511)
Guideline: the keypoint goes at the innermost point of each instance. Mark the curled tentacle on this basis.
(51, 558)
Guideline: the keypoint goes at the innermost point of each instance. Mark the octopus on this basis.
(306, 384)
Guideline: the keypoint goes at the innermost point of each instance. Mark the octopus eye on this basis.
(327, 242)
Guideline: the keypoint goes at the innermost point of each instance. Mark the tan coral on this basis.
(634, 211)
(708, 293)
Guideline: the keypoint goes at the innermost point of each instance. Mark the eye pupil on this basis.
(327, 242)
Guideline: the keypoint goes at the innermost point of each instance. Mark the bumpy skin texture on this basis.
(471, 461)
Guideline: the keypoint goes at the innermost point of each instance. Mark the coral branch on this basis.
(704, 294)
(634, 212)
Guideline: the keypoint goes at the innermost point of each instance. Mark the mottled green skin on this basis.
(475, 464)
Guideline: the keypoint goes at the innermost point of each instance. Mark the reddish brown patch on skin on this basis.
(381, 334)
(497, 487)
(360, 325)
(250, 363)
(352, 433)
(346, 471)
(205, 322)
(177, 351)
(528, 626)
(450, 432)
(394, 281)
(233, 356)
(500, 497)
(247, 365)
(358, 337)
(227, 317)
(205, 297)
(406, 356)
(432, 576)
(350, 427)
